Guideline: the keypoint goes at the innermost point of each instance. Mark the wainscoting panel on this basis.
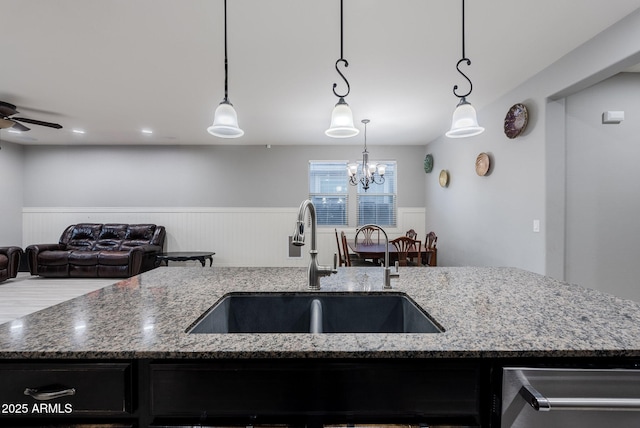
(239, 236)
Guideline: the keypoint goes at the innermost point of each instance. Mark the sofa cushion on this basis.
(4, 261)
(111, 237)
(138, 234)
(113, 258)
(53, 258)
(83, 258)
(83, 236)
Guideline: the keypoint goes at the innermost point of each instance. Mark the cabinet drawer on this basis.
(65, 390)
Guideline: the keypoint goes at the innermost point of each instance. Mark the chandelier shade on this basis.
(342, 121)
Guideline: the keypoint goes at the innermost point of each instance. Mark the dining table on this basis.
(375, 251)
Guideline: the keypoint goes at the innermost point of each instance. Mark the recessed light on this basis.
(77, 131)
(147, 131)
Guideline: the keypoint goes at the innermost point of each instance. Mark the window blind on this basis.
(328, 190)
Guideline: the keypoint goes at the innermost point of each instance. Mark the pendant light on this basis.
(341, 117)
(225, 119)
(464, 122)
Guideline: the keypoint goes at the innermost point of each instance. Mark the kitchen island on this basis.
(491, 317)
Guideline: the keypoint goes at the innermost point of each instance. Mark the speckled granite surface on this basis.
(487, 312)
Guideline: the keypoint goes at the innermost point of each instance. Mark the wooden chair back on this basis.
(430, 248)
(345, 249)
(341, 259)
(405, 245)
(368, 233)
(411, 234)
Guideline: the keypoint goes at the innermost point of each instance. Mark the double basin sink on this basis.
(315, 312)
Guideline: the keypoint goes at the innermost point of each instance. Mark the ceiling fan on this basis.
(7, 120)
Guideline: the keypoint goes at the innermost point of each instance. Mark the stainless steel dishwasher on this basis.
(567, 398)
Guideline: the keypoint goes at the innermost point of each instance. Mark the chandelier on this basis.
(367, 172)
(464, 122)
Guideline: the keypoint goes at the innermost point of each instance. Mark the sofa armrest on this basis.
(32, 252)
(13, 254)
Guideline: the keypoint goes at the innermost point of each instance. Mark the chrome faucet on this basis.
(387, 270)
(315, 270)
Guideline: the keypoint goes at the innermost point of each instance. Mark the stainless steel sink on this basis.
(322, 312)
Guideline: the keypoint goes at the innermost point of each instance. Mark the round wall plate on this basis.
(428, 163)
(515, 122)
(444, 178)
(483, 163)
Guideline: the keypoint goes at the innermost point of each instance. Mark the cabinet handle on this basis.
(545, 404)
(49, 395)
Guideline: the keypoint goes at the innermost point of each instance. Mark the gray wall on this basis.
(195, 176)
(11, 185)
(603, 187)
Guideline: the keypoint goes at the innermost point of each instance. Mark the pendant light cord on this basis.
(226, 63)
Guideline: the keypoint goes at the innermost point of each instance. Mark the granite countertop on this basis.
(486, 312)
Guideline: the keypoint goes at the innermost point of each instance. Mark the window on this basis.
(328, 190)
(378, 204)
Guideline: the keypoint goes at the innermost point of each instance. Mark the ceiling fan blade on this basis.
(7, 109)
(19, 127)
(37, 122)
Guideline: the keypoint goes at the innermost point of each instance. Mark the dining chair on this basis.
(367, 233)
(351, 259)
(405, 245)
(431, 252)
(341, 258)
(411, 234)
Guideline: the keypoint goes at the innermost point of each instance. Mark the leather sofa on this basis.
(93, 250)
(9, 262)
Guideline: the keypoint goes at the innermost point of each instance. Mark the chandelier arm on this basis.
(335, 85)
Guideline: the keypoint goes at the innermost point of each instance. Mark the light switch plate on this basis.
(536, 225)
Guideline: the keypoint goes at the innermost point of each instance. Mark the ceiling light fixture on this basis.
(368, 173)
(465, 121)
(225, 119)
(341, 117)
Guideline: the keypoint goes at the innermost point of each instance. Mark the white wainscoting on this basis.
(238, 236)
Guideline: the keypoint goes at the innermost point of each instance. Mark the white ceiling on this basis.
(114, 67)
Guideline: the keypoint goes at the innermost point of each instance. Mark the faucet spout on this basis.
(316, 271)
(387, 270)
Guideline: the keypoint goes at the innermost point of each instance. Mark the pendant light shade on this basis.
(464, 122)
(225, 122)
(342, 121)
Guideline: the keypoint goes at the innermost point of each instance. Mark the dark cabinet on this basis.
(315, 392)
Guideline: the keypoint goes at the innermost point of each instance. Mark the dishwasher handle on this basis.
(545, 404)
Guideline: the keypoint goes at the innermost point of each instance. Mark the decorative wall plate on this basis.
(483, 163)
(444, 178)
(515, 122)
(428, 163)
